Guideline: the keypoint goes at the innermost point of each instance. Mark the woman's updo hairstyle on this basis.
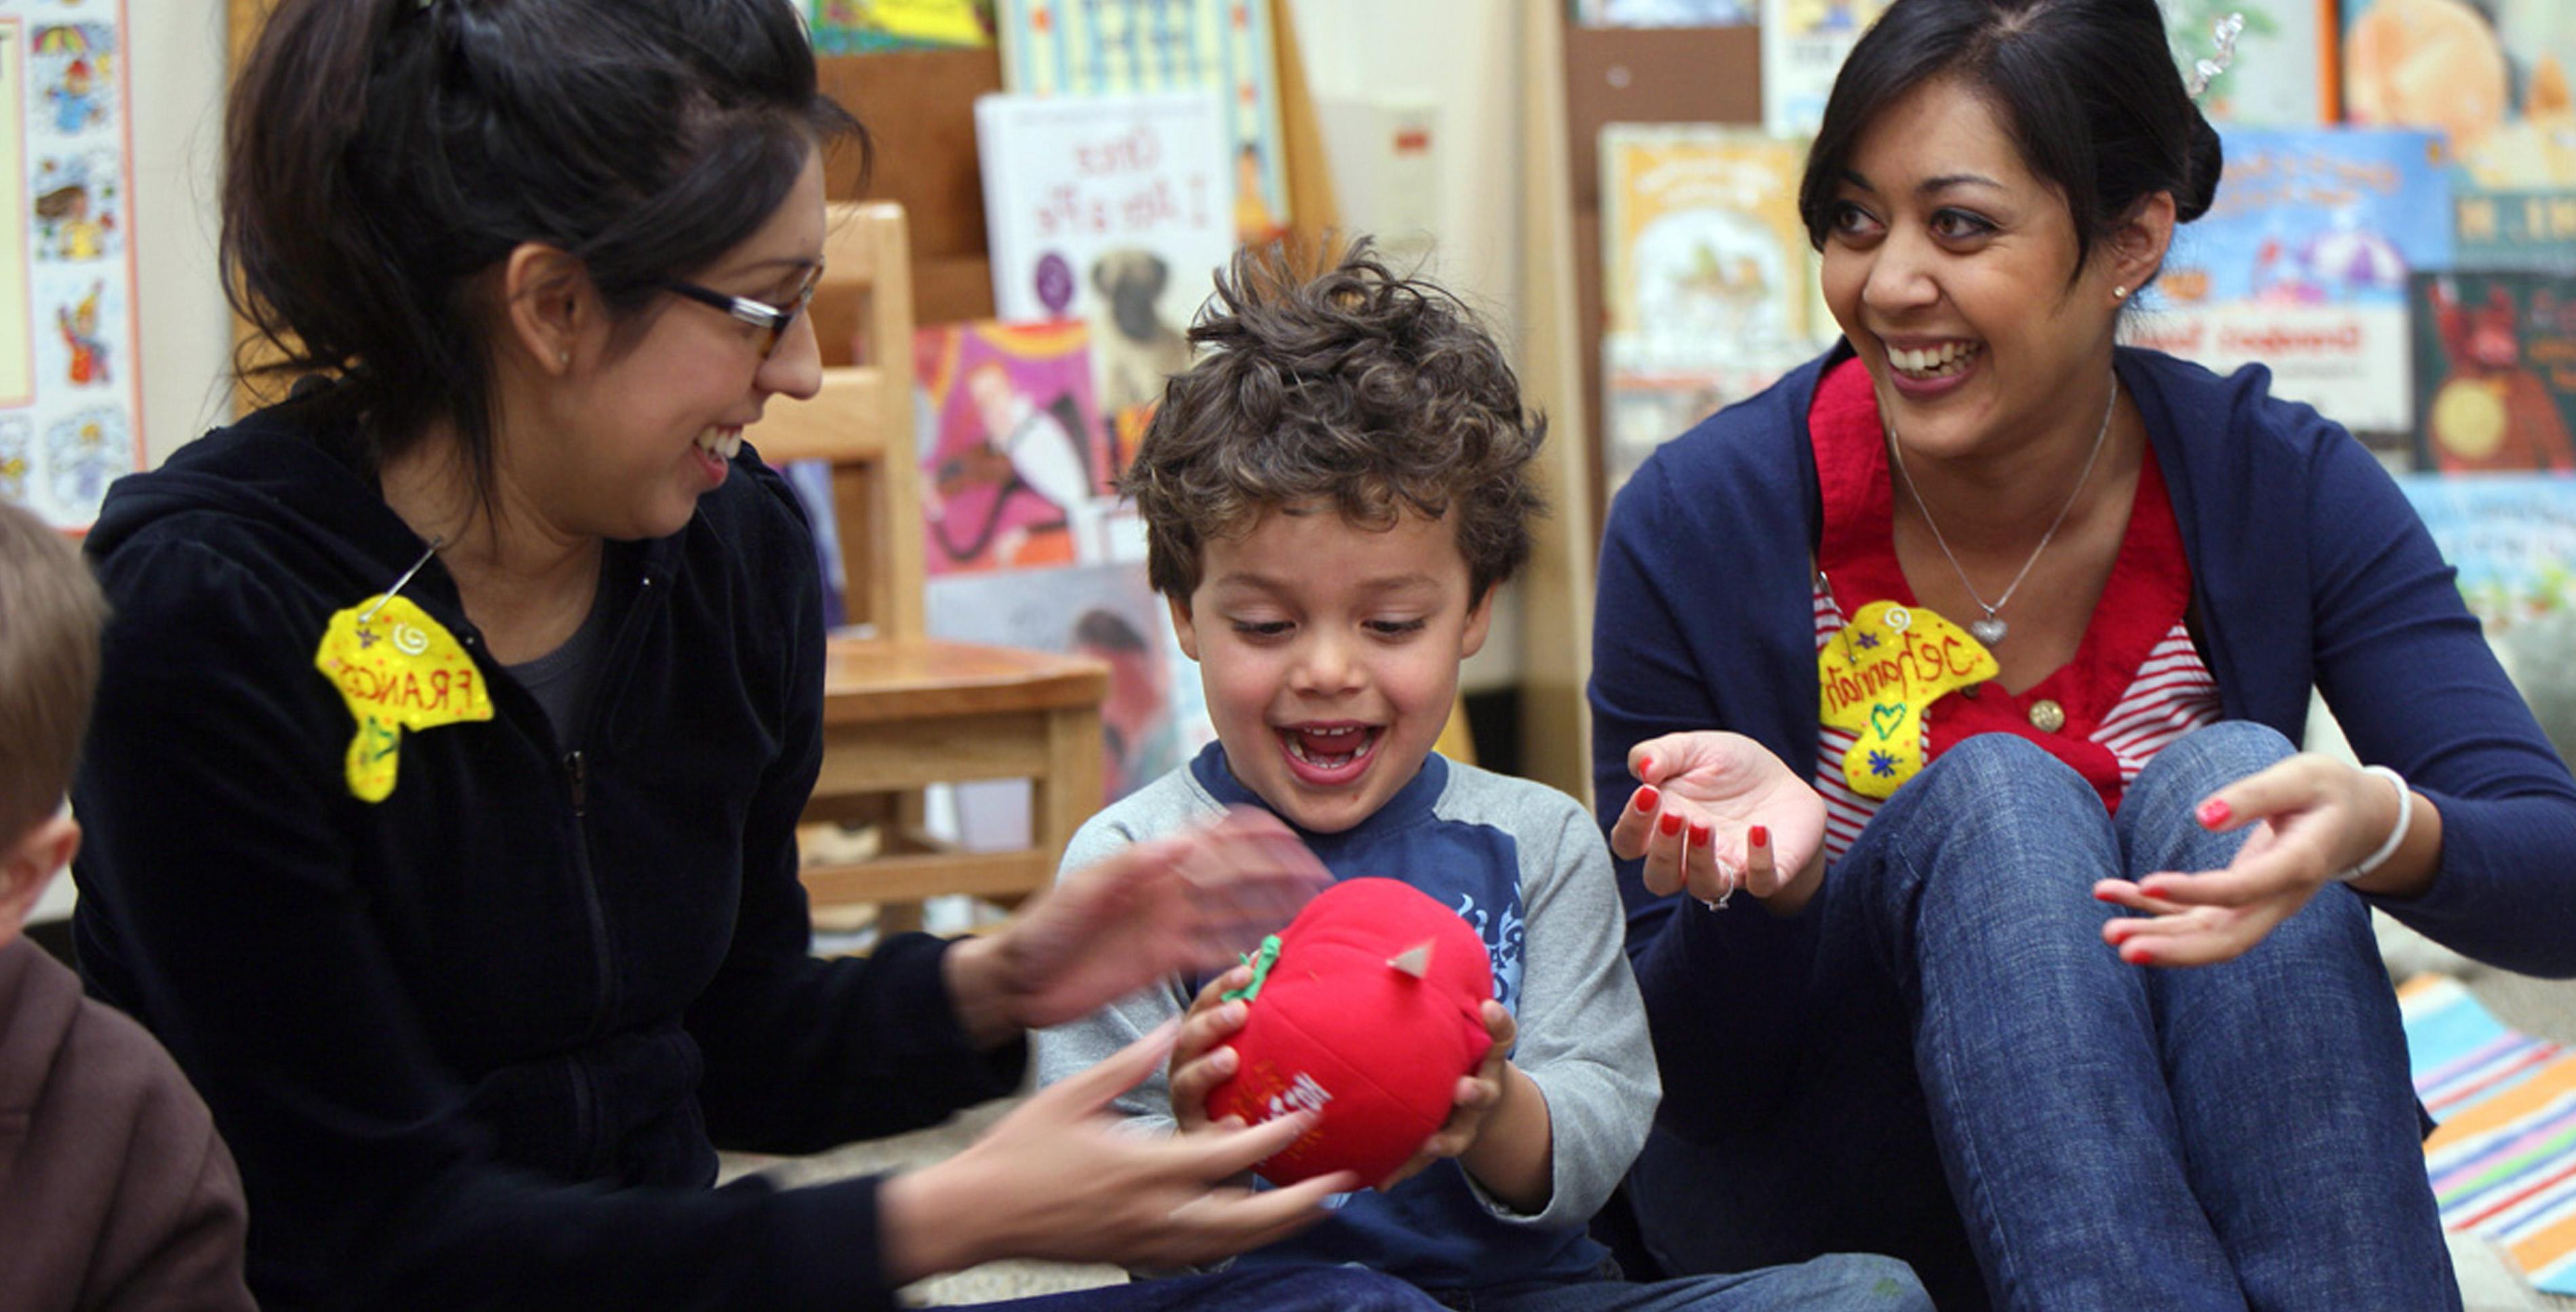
(383, 155)
(2087, 88)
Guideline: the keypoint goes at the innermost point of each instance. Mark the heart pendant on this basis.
(1988, 630)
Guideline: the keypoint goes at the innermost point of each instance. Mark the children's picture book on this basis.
(2495, 355)
(858, 26)
(1016, 466)
(71, 397)
(1664, 13)
(2494, 76)
(1803, 45)
(2285, 72)
(1645, 410)
(1115, 209)
(1222, 47)
(1155, 718)
(2512, 537)
(1703, 253)
(2301, 263)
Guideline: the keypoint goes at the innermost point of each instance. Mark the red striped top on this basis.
(2135, 683)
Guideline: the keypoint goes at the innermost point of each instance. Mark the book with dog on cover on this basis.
(1117, 210)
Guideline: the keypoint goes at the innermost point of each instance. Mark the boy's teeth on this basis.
(1325, 747)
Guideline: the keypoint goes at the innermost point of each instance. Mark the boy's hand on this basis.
(1478, 1094)
(1201, 1057)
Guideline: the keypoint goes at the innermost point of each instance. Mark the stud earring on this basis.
(564, 358)
(2120, 293)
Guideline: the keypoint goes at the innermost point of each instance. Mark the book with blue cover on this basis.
(2301, 264)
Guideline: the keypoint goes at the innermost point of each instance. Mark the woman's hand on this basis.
(1187, 903)
(2313, 818)
(1703, 799)
(1058, 1179)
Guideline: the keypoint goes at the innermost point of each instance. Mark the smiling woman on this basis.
(1955, 1055)
(455, 858)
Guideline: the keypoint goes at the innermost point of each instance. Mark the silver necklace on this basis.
(1991, 630)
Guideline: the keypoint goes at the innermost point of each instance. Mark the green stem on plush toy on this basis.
(1261, 962)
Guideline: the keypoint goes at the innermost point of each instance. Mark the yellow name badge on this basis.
(398, 669)
(1889, 665)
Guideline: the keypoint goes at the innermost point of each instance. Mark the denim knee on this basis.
(1994, 795)
(1859, 1280)
(2158, 826)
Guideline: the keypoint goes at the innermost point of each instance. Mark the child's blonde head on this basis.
(50, 612)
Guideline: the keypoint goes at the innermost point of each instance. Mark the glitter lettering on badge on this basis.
(398, 670)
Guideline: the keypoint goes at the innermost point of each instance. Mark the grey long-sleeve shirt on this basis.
(1526, 868)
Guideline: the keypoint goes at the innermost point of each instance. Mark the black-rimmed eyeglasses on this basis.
(772, 320)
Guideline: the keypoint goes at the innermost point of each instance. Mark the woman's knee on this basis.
(1999, 814)
(2205, 760)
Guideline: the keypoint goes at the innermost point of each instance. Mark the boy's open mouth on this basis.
(1329, 753)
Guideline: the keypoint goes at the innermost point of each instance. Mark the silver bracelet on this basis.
(2396, 835)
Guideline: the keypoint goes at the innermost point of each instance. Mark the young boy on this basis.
(1331, 495)
(114, 1190)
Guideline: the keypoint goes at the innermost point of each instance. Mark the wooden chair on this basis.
(902, 710)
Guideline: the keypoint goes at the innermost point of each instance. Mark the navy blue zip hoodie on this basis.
(474, 1045)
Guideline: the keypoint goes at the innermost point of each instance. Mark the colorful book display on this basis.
(2494, 77)
(1016, 466)
(1222, 47)
(2495, 354)
(855, 26)
(1155, 717)
(1803, 45)
(1112, 209)
(71, 399)
(1707, 277)
(2285, 74)
(2301, 265)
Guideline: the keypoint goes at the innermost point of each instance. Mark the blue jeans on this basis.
(1835, 1282)
(1971, 1080)
(1253, 1289)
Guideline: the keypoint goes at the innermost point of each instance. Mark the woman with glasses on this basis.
(458, 712)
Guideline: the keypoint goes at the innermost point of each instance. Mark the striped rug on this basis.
(2504, 1160)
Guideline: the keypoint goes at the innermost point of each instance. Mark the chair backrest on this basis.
(861, 423)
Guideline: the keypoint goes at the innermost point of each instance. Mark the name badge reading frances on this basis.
(1878, 677)
(397, 669)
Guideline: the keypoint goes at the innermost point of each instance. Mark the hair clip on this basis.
(2205, 71)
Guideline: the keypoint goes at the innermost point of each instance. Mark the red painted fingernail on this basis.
(1646, 765)
(2214, 813)
(2105, 895)
(1699, 835)
(2136, 954)
(1671, 823)
(1758, 836)
(1647, 797)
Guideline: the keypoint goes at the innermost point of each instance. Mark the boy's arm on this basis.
(1583, 1050)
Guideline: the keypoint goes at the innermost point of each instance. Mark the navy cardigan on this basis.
(473, 1045)
(2308, 568)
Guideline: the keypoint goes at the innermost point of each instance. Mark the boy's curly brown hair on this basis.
(1352, 387)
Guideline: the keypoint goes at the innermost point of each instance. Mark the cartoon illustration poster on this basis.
(70, 398)
(1015, 463)
(2301, 265)
(1803, 46)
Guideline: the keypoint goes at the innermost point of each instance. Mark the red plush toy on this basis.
(1366, 1011)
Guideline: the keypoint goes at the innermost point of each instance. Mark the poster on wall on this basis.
(2496, 353)
(70, 400)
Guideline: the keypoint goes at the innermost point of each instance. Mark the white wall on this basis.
(1465, 56)
(176, 54)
